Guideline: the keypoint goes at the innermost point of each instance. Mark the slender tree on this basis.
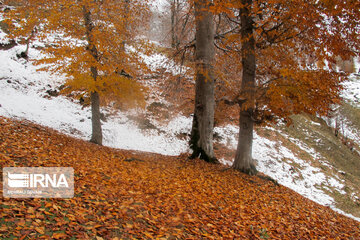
(174, 6)
(96, 136)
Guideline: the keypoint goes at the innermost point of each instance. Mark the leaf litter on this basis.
(122, 194)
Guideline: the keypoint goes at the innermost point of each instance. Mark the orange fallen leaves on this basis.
(153, 197)
(59, 235)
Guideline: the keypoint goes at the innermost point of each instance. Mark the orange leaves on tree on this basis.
(297, 44)
(108, 44)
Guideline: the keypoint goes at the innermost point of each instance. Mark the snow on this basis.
(3, 38)
(126, 135)
(23, 96)
(352, 86)
(161, 5)
(345, 127)
(160, 61)
(278, 162)
(352, 90)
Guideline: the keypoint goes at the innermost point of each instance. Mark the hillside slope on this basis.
(129, 194)
(280, 153)
(296, 157)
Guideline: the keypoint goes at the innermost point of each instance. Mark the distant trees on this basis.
(28, 16)
(86, 42)
(175, 11)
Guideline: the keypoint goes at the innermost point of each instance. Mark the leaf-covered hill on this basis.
(126, 194)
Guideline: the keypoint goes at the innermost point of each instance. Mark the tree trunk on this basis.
(201, 141)
(243, 158)
(175, 8)
(28, 40)
(96, 136)
(126, 23)
(173, 37)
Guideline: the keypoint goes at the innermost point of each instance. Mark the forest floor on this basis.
(130, 194)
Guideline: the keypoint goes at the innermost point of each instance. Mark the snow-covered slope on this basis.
(289, 166)
(352, 88)
(24, 96)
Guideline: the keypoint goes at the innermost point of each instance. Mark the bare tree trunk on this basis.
(243, 158)
(28, 40)
(175, 9)
(201, 141)
(126, 23)
(173, 31)
(96, 136)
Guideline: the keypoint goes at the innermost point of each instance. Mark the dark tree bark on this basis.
(96, 136)
(243, 158)
(175, 6)
(126, 22)
(201, 141)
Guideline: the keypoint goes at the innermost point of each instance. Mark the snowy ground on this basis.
(275, 160)
(350, 94)
(352, 88)
(23, 96)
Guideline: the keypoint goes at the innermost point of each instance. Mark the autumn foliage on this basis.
(107, 42)
(94, 44)
(123, 195)
(297, 44)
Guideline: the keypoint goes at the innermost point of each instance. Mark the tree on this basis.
(96, 136)
(27, 15)
(287, 50)
(173, 20)
(91, 46)
(243, 158)
(174, 6)
(201, 141)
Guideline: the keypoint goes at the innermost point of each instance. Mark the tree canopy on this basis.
(297, 43)
(109, 44)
